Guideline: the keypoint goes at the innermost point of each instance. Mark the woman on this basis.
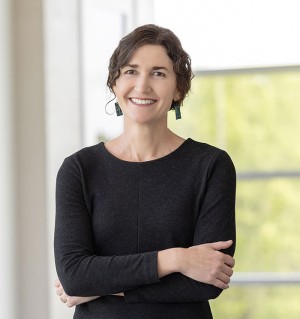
(145, 224)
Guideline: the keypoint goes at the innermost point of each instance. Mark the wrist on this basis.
(180, 259)
(169, 261)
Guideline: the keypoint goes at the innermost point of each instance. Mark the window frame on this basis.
(259, 278)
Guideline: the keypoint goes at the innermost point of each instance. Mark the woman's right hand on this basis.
(205, 263)
(70, 301)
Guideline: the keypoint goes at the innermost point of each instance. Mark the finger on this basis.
(221, 244)
(224, 278)
(228, 271)
(64, 297)
(56, 283)
(228, 260)
(59, 291)
(220, 284)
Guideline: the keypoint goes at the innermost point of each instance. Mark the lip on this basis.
(131, 99)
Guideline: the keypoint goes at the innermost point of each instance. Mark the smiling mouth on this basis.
(142, 101)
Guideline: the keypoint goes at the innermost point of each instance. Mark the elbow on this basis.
(70, 279)
(74, 285)
(71, 274)
(213, 292)
(70, 288)
(70, 284)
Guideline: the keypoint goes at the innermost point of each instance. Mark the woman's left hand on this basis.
(70, 301)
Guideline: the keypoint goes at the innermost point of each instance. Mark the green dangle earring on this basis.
(118, 109)
(176, 107)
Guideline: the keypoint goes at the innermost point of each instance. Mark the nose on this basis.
(143, 84)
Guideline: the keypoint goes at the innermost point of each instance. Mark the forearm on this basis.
(169, 261)
(96, 275)
(174, 287)
(190, 274)
(196, 260)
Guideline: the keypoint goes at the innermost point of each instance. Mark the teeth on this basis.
(138, 101)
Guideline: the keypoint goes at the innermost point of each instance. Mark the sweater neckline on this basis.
(165, 157)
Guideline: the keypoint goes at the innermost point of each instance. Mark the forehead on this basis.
(151, 54)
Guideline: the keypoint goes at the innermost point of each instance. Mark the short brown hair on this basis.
(152, 34)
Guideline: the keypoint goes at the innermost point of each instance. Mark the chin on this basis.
(143, 119)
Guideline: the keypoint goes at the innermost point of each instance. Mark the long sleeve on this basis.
(81, 271)
(113, 216)
(216, 222)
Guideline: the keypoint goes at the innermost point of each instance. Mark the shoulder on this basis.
(209, 157)
(86, 153)
(203, 148)
(81, 159)
(206, 151)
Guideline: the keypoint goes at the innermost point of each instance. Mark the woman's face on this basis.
(146, 86)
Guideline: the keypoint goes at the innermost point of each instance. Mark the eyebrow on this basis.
(136, 66)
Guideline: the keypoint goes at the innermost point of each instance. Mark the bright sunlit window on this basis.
(255, 116)
(234, 34)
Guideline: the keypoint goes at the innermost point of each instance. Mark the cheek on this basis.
(118, 89)
(123, 86)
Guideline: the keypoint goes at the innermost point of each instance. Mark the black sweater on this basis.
(113, 216)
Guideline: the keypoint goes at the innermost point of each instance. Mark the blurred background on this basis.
(245, 98)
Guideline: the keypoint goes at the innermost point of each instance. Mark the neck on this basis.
(142, 142)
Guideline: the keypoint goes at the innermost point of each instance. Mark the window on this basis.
(255, 117)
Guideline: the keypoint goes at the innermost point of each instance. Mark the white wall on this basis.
(63, 112)
(7, 225)
(30, 160)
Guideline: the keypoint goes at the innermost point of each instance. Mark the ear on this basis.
(177, 95)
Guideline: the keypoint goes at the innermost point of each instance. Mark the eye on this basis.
(130, 71)
(159, 74)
